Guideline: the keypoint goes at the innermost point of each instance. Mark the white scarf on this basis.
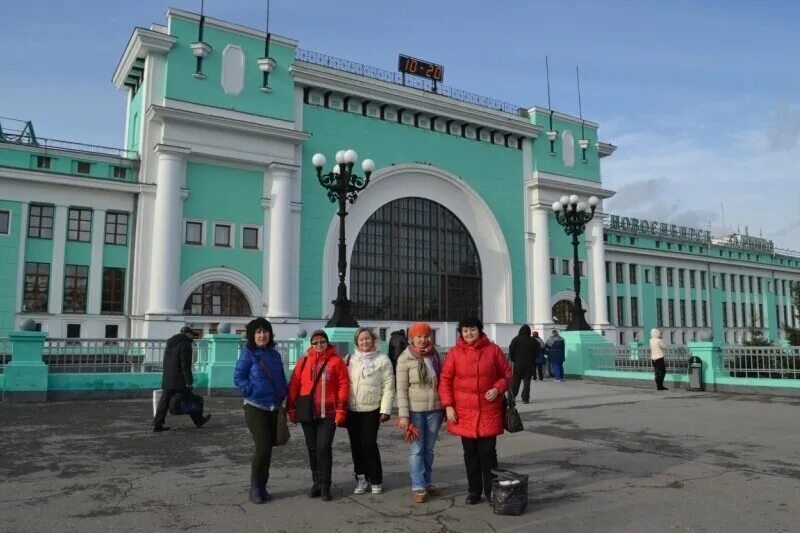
(368, 364)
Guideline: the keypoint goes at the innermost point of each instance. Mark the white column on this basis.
(280, 245)
(96, 264)
(540, 262)
(597, 255)
(167, 219)
(57, 265)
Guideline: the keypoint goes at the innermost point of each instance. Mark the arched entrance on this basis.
(414, 260)
(214, 302)
(562, 312)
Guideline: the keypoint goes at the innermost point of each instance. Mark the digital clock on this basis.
(418, 67)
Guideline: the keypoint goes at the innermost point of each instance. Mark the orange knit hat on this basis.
(420, 328)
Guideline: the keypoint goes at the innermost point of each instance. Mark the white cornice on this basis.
(678, 259)
(546, 188)
(409, 98)
(236, 28)
(74, 181)
(141, 43)
(228, 113)
(605, 149)
(83, 155)
(563, 116)
(163, 114)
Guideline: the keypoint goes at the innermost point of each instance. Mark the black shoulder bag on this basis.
(304, 406)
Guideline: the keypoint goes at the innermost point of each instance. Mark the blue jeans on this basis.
(558, 370)
(420, 454)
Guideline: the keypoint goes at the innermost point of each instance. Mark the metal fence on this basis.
(772, 362)
(80, 356)
(5, 353)
(637, 359)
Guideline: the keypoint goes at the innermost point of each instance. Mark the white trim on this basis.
(141, 43)
(432, 183)
(71, 180)
(201, 109)
(249, 289)
(259, 237)
(569, 295)
(202, 232)
(231, 234)
(562, 116)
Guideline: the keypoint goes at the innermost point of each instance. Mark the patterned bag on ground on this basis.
(511, 419)
(509, 492)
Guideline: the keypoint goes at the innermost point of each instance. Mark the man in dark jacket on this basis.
(556, 353)
(523, 352)
(177, 377)
(397, 343)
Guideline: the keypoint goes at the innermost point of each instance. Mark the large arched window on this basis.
(562, 312)
(414, 260)
(216, 298)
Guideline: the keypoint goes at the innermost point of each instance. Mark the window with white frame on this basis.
(194, 232)
(250, 240)
(5, 222)
(222, 235)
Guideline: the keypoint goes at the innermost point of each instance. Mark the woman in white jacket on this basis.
(657, 356)
(371, 396)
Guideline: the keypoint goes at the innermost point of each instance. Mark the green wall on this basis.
(9, 257)
(494, 172)
(553, 163)
(135, 120)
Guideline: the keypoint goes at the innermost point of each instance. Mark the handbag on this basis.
(511, 419)
(509, 492)
(185, 403)
(282, 428)
(304, 405)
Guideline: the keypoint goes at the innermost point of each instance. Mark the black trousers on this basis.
(163, 408)
(540, 371)
(263, 426)
(480, 456)
(522, 375)
(319, 441)
(362, 428)
(660, 368)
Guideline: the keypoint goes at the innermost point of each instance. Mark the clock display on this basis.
(418, 67)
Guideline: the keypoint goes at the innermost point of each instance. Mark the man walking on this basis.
(177, 378)
(523, 352)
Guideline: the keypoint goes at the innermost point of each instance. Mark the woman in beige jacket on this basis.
(657, 356)
(418, 370)
(371, 397)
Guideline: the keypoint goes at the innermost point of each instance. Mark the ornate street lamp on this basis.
(343, 186)
(573, 215)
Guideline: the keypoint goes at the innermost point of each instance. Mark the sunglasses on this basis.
(318, 343)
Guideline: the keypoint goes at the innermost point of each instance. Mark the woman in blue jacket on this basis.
(260, 378)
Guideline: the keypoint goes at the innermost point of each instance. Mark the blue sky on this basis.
(702, 98)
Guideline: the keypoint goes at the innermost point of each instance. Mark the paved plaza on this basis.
(600, 458)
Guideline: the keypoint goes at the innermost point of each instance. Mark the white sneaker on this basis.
(377, 489)
(361, 485)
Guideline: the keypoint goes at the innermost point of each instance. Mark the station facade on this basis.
(213, 212)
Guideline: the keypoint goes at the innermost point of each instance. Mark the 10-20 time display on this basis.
(418, 67)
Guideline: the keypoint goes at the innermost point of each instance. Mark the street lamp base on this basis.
(578, 322)
(342, 314)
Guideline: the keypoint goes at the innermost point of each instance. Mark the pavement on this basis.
(600, 458)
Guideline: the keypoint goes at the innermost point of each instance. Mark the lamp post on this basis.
(573, 215)
(343, 186)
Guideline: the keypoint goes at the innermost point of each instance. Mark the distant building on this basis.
(213, 212)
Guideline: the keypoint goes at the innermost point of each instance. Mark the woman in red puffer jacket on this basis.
(475, 376)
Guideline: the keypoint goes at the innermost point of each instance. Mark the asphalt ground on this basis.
(600, 458)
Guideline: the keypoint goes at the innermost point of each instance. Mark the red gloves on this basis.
(410, 433)
(341, 418)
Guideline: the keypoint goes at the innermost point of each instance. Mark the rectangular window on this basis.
(724, 314)
(42, 161)
(40, 221)
(761, 315)
(670, 280)
(618, 272)
(194, 233)
(722, 281)
(634, 311)
(659, 312)
(222, 235)
(5, 222)
(704, 313)
(647, 277)
(76, 283)
(250, 238)
(113, 291)
(580, 269)
(112, 331)
(553, 265)
(691, 279)
(79, 224)
(37, 284)
(608, 306)
(565, 267)
(758, 285)
(683, 313)
(116, 228)
(680, 277)
(73, 331)
(741, 282)
(608, 272)
(694, 314)
(120, 172)
(753, 317)
(620, 311)
(733, 315)
(778, 316)
(744, 315)
(84, 167)
(658, 276)
(702, 280)
(671, 312)
(632, 273)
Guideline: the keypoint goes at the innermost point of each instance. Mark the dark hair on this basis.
(252, 326)
(470, 322)
(319, 333)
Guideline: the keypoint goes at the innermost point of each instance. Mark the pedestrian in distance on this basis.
(320, 388)
(370, 405)
(475, 376)
(657, 356)
(261, 380)
(397, 343)
(177, 378)
(556, 352)
(523, 352)
(419, 370)
(540, 359)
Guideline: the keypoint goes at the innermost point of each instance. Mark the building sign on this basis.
(747, 242)
(659, 229)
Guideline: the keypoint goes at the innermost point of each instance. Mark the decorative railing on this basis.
(637, 359)
(5, 353)
(67, 356)
(17, 137)
(397, 78)
(772, 362)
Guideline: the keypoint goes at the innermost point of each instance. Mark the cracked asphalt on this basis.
(600, 458)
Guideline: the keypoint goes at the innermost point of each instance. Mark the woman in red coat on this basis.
(329, 406)
(474, 379)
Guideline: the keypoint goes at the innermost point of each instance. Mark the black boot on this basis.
(325, 493)
(315, 490)
(255, 491)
